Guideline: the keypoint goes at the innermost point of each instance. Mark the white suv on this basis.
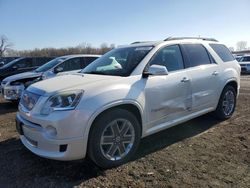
(129, 93)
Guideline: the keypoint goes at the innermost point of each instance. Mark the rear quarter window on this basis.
(223, 52)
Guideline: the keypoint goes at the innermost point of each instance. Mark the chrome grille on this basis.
(28, 100)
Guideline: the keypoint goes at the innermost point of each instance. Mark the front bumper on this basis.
(39, 141)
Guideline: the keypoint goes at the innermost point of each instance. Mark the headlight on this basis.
(67, 100)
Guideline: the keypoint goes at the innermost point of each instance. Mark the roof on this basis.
(141, 43)
(170, 39)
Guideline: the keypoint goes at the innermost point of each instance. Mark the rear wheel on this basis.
(114, 138)
(227, 103)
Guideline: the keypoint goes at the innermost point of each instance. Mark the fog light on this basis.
(51, 131)
(63, 148)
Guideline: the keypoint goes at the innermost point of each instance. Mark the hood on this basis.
(22, 76)
(68, 82)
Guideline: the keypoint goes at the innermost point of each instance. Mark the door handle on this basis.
(215, 73)
(185, 79)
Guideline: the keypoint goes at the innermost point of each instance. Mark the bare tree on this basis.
(231, 49)
(104, 47)
(4, 45)
(84, 48)
(112, 46)
(241, 45)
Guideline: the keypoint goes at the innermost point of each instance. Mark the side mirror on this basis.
(1, 64)
(58, 69)
(156, 70)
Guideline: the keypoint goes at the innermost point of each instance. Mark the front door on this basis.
(168, 97)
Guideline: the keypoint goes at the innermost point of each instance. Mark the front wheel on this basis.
(227, 103)
(114, 138)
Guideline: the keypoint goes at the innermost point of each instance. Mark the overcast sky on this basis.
(62, 23)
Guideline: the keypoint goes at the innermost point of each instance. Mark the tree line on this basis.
(55, 52)
(6, 49)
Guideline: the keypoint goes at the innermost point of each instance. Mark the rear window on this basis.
(223, 52)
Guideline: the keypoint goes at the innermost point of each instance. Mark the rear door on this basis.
(204, 76)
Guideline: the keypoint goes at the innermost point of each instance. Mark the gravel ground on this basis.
(203, 152)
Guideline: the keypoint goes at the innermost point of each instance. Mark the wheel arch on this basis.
(231, 82)
(129, 105)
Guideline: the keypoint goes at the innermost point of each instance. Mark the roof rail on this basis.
(181, 38)
(138, 42)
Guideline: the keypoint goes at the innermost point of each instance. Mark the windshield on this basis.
(12, 62)
(118, 62)
(50, 64)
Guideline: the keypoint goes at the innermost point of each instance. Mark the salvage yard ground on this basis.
(203, 152)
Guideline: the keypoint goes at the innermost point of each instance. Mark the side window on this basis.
(89, 60)
(223, 52)
(24, 63)
(71, 64)
(244, 59)
(170, 57)
(196, 54)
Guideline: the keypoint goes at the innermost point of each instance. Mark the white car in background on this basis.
(129, 93)
(13, 86)
(244, 62)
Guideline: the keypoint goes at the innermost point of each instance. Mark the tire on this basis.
(221, 112)
(114, 138)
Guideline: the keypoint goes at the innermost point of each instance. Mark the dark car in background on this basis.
(22, 64)
(5, 60)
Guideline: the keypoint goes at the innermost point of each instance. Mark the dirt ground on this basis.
(203, 152)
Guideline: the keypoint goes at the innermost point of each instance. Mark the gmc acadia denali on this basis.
(129, 93)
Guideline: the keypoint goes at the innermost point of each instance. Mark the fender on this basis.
(234, 79)
(106, 107)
